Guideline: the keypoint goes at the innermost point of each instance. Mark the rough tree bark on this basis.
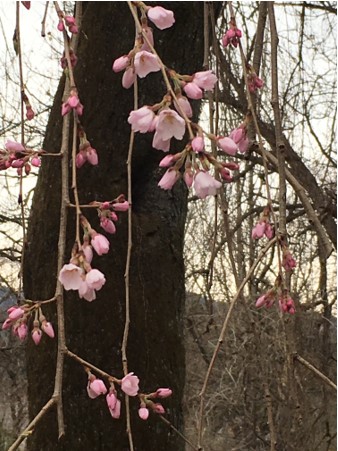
(94, 330)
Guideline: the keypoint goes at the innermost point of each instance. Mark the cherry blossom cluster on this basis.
(285, 302)
(263, 227)
(130, 386)
(254, 82)
(72, 103)
(15, 155)
(232, 36)
(19, 320)
(107, 212)
(67, 21)
(86, 152)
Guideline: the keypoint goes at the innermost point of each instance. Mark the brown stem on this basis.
(43, 22)
(90, 366)
(188, 442)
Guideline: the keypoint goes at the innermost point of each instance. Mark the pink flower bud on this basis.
(100, 243)
(107, 225)
(197, 144)
(188, 177)
(95, 279)
(143, 413)
(65, 109)
(15, 313)
(227, 145)
(258, 230)
(88, 252)
(47, 327)
(169, 179)
(121, 206)
(80, 159)
(114, 404)
(128, 78)
(14, 146)
(163, 392)
(22, 331)
(205, 80)
(18, 163)
(92, 157)
(29, 113)
(7, 324)
(158, 408)
(120, 63)
(61, 25)
(36, 335)
(167, 161)
(193, 91)
(36, 161)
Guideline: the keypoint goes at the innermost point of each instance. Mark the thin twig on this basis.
(90, 366)
(29, 429)
(43, 22)
(167, 422)
(312, 368)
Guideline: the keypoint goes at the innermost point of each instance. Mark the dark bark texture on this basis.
(94, 330)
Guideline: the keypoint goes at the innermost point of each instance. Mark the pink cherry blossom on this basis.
(227, 145)
(143, 413)
(169, 179)
(100, 243)
(29, 113)
(160, 144)
(88, 252)
(128, 78)
(145, 62)
(87, 293)
(141, 119)
(14, 146)
(205, 80)
(184, 105)
(163, 392)
(96, 388)
(161, 17)
(205, 185)
(197, 144)
(120, 63)
(95, 279)
(71, 277)
(114, 405)
(170, 124)
(193, 91)
(129, 384)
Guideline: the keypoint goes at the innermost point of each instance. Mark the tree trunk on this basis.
(94, 330)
